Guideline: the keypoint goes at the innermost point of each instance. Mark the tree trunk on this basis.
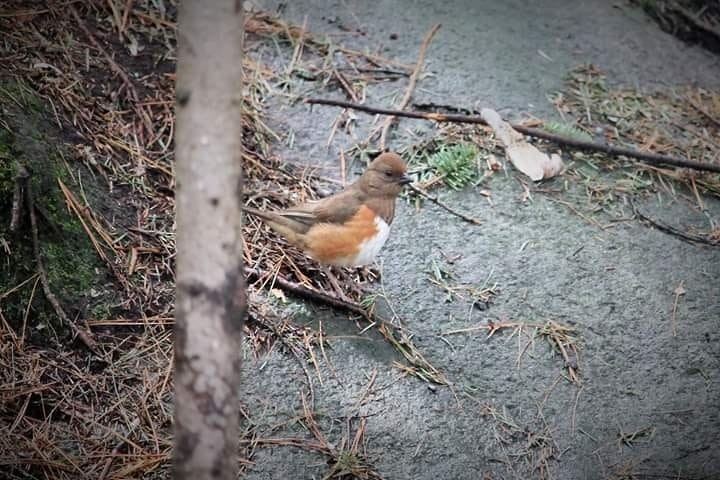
(210, 303)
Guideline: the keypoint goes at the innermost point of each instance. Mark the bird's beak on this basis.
(405, 180)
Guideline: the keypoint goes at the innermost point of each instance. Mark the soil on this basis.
(647, 406)
(75, 275)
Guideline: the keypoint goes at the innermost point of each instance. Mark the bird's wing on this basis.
(336, 208)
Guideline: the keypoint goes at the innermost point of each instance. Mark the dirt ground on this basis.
(647, 404)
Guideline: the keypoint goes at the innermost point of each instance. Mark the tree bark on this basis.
(210, 303)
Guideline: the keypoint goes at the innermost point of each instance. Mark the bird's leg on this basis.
(361, 289)
(334, 283)
(365, 277)
(372, 273)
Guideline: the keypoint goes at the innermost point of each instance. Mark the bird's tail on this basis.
(287, 227)
(268, 216)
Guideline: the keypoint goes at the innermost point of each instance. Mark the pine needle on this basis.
(456, 164)
(567, 130)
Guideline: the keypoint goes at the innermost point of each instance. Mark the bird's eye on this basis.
(388, 173)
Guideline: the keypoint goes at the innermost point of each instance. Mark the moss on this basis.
(72, 265)
(7, 168)
(18, 93)
(71, 268)
(101, 310)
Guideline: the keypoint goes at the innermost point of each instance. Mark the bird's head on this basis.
(385, 176)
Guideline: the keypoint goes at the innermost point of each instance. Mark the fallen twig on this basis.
(702, 110)
(21, 178)
(639, 436)
(663, 227)
(85, 336)
(439, 203)
(610, 149)
(419, 366)
(558, 336)
(115, 451)
(346, 460)
(561, 339)
(411, 84)
(695, 20)
(112, 63)
(345, 85)
(312, 294)
(117, 68)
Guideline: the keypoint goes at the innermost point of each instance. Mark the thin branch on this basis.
(115, 451)
(394, 334)
(344, 84)
(112, 63)
(672, 230)
(610, 149)
(20, 183)
(411, 84)
(117, 68)
(83, 335)
(695, 20)
(313, 295)
(439, 203)
(700, 109)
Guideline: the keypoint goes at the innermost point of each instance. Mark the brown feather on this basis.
(332, 227)
(339, 243)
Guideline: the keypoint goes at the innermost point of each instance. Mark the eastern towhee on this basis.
(348, 228)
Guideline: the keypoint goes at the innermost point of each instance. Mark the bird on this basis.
(348, 228)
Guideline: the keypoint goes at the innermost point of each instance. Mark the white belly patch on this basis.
(370, 248)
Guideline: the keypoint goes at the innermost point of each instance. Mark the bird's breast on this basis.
(371, 246)
(353, 243)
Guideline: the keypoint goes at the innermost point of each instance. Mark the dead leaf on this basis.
(488, 195)
(524, 156)
(492, 163)
(278, 294)
(553, 167)
(503, 131)
(528, 159)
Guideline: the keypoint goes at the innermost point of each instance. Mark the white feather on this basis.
(370, 248)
